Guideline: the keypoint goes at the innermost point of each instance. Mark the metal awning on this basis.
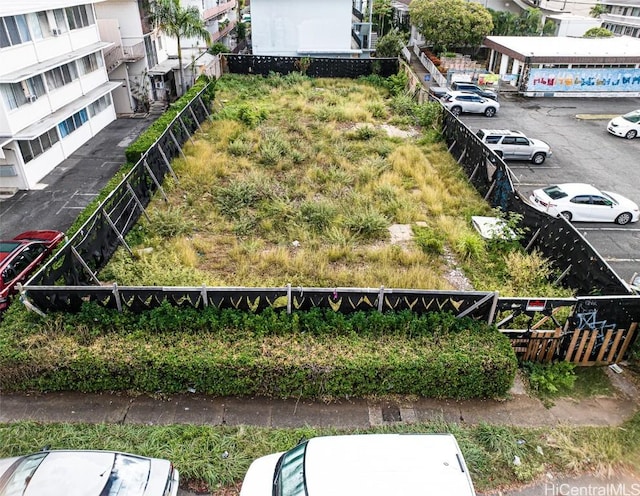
(37, 128)
(164, 67)
(32, 70)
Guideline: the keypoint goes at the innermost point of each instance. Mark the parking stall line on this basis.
(609, 229)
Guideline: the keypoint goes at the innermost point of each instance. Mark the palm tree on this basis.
(177, 21)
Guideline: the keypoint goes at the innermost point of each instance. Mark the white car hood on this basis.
(259, 478)
(622, 201)
(620, 122)
(538, 143)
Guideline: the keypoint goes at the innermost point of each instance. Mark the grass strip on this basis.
(197, 451)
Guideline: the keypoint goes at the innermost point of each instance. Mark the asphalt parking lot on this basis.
(583, 151)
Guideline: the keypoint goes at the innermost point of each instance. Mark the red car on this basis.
(20, 257)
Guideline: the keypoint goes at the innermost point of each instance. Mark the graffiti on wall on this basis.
(584, 80)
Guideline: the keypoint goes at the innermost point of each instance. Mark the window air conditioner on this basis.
(32, 98)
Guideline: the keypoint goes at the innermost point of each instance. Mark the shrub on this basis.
(367, 224)
(550, 379)
(428, 240)
(315, 354)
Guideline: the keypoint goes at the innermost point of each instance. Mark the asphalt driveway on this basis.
(583, 151)
(72, 185)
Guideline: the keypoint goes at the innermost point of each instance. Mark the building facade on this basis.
(302, 28)
(135, 48)
(567, 67)
(54, 87)
(622, 17)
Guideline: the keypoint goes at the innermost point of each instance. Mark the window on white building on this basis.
(39, 25)
(72, 123)
(89, 63)
(13, 31)
(61, 24)
(23, 92)
(79, 16)
(61, 75)
(32, 148)
(99, 105)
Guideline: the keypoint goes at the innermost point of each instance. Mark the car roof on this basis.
(381, 464)
(502, 132)
(464, 93)
(578, 189)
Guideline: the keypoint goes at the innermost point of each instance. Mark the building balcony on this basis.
(118, 55)
(219, 9)
(223, 32)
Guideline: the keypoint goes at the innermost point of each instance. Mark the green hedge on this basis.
(135, 150)
(312, 355)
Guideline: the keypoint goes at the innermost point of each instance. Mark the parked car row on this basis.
(573, 201)
(371, 464)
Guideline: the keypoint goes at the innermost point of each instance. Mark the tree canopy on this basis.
(382, 15)
(449, 23)
(390, 45)
(597, 33)
(178, 22)
(527, 23)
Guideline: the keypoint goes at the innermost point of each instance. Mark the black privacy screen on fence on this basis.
(317, 66)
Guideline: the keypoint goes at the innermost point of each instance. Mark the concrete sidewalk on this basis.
(191, 408)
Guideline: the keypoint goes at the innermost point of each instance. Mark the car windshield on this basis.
(554, 192)
(8, 246)
(289, 477)
(632, 116)
(128, 476)
(20, 474)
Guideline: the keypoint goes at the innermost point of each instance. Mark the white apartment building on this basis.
(55, 93)
(135, 48)
(622, 17)
(302, 28)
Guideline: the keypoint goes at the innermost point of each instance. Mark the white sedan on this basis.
(87, 473)
(583, 202)
(626, 126)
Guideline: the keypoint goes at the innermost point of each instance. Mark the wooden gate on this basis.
(538, 346)
(599, 346)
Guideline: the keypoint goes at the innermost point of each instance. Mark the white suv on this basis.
(367, 464)
(514, 145)
(461, 101)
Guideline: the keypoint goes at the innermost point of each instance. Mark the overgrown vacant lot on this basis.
(299, 180)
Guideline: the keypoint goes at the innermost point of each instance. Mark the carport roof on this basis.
(568, 50)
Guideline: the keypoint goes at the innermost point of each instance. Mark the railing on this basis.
(135, 52)
(430, 67)
(213, 12)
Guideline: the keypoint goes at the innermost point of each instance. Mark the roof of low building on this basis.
(565, 49)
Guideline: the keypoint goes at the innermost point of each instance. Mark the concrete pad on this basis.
(429, 410)
(247, 411)
(340, 414)
(592, 411)
(151, 411)
(519, 410)
(199, 410)
(65, 407)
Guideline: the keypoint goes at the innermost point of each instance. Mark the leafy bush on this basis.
(550, 379)
(311, 354)
(428, 240)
